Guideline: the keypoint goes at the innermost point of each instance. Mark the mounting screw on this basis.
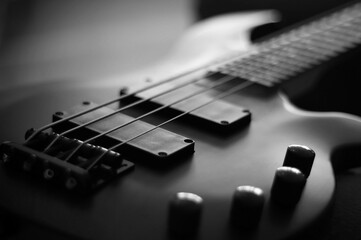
(86, 103)
(48, 174)
(5, 158)
(123, 91)
(71, 183)
(187, 140)
(224, 122)
(162, 154)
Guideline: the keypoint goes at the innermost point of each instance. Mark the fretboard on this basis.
(293, 52)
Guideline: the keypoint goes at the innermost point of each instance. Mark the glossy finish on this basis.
(288, 185)
(300, 157)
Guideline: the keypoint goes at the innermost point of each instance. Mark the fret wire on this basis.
(278, 72)
(286, 59)
(290, 54)
(260, 67)
(247, 76)
(255, 77)
(246, 70)
(280, 63)
(320, 42)
(353, 35)
(266, 66)
(349, 27)
(334, 44)
(351, 31)
(348, 39)
(250, 71)
(313, 49)
(305, 46)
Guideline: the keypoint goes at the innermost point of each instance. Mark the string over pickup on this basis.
(138, 140)
(199, 102)
(87, 169)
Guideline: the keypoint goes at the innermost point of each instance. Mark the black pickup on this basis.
(151, 145)
(199, 102)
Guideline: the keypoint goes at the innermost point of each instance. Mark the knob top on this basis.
(186, 197)
(288, 185)
(300, 157)
(185, 213)
(247, 206)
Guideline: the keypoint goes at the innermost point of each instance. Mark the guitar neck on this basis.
(299, 49)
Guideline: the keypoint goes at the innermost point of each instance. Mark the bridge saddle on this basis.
(90, 167)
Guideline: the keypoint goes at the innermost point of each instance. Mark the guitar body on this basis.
(135, 206)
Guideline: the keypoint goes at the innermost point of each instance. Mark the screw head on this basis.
(71, 183)
(224, 122)
(162, 154)
(48, 174)
(5, 158)
(123, 91)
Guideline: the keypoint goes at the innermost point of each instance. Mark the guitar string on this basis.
(81, 113)
(167, 80)
(90, 123)
(170, 120)
(122, 109)
(322, 33)
(241, 86)
(221, 81)
(99, 118)
(147, 114)
(280, 73)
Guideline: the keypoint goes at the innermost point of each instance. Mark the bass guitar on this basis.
(205, 145)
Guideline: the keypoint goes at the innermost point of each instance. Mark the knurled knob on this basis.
(185, 213)
(288, 185)
(247, 206)
(300, 157)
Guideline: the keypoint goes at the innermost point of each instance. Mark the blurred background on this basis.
(45, 40)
